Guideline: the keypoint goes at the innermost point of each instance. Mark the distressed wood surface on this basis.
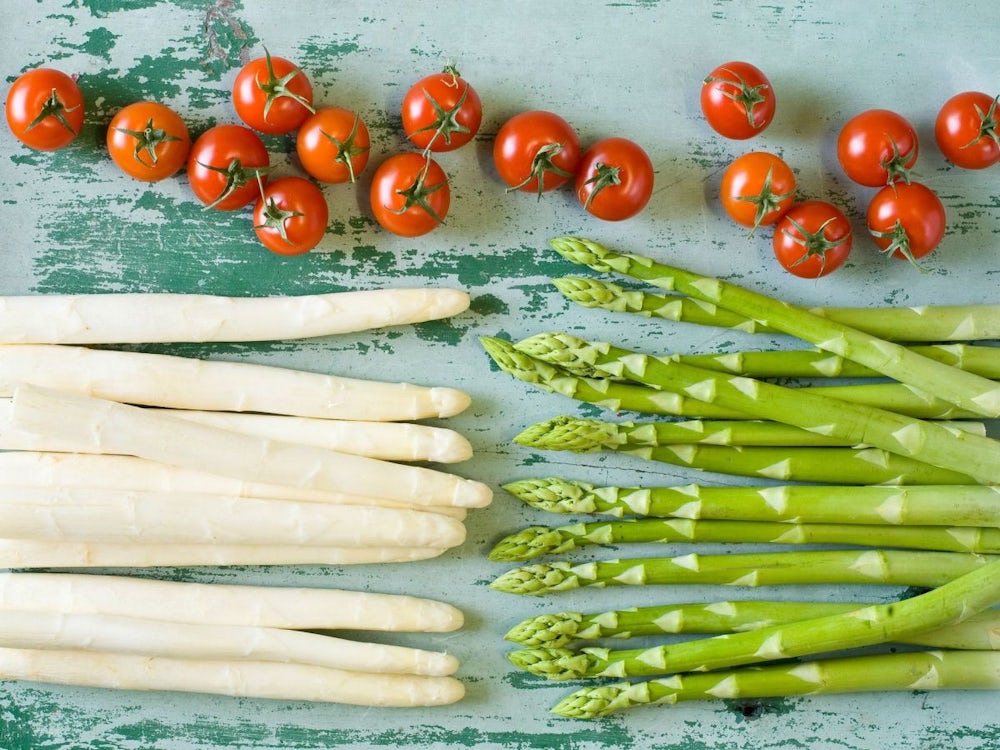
(73, 223)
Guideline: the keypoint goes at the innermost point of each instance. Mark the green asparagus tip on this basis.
(537, 579)
(571, 353)
(551, 663)
(571, 434)
(584, 252)
(529, 543)
(589, 702)
(553, 494)
(588, 292)
(552, 630)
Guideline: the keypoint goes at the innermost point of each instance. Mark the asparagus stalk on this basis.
(86, 515)
(916, 670)
(149, 637)
(111, 427)
(964, 389)
(290, 607)
(929, 323)
(617, 396)
(966, 594)
(151, 318)
(184, 383)
(917, 505)
(538, 541)
(241, 678)
(561, 629)
(890, 567)
(922, 440)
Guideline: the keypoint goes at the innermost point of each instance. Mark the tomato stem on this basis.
(147, 140)
(748, 96)
(275, 218)
(53, 107)
(540, 164)
(605, 175)
(899, 242)
(988, 124)
(346, 150)
(895, 167)
(418, 192)
(814, 243)
(274, 88)
(765, 201)
(236, 177)
(446, 121)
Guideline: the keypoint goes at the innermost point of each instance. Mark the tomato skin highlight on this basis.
(536, 151)
(906, 221)
(290, 216)
(967, 130)
(737, 100)
(44, 109)
(148, 141)
(614, 179)
(333, 145)
(877, 147)
(441, 112)
(757, 188)
(220, 153)
(272, 95)
(409, 194)
(812, 239)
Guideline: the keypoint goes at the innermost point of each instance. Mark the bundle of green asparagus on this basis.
(895, 480)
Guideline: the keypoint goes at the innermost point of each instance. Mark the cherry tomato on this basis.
(333, 145)
(441, 112)
(45, 109)
(148, 141)
(967, 130)
(536, 151)
(225, 165)
(812, 239)
(272, 95)
(290, 216)
(410, 194)
(757, 189)
(738, 100)
(906, 221)
(614, 179)
(877, 147)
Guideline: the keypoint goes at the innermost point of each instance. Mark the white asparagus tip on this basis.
(449, 401)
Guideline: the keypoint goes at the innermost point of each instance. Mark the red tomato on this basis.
(225, 165)
(45, 109)
(441, 112)
(272, 95)
(967, 130)
(757, 189)
(333, 145)
(906, 221)
(738, 100)
(812, 239)
(148, 141)
(877, 147)
(410, 194)
(290, 216)
(614, 179)
(536, 151)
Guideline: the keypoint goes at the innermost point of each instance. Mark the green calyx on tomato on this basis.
(814, 244)
(418, 193)
(274, 88)
(445, 123)
(147, 139)
(605, 175)
(746, 95)
(347, 149)
(897, 166)
(275, 218)
(53, 107)
(899, 243)
(766, 201)
(237, 176)
(542, 164)
(988, 124)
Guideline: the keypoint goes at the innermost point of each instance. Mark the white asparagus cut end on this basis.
(140, 636)
(115, 472)
(186, 383)
(110, 427)
(166, 318)
(239, 678)
(33, 553)
(88, 515)
(300, 608)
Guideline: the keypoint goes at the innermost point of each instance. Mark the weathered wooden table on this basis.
(73, 223)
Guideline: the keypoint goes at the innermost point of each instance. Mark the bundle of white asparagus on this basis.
(238, 640)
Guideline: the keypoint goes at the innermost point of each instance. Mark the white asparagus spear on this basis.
(150, 318)
(119, 428)
(112, 472)
(247, 679)
(141, 636)
(88, 515)
(189, 383)
(390, 441)
(301, 608)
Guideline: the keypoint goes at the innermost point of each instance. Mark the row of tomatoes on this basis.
(227, 166)
(876, 148)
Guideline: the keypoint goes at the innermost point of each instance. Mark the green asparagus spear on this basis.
(933, 323)
(918, 505)
(961, 388)
(891, 567)
(922, 440)
(911, 670)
